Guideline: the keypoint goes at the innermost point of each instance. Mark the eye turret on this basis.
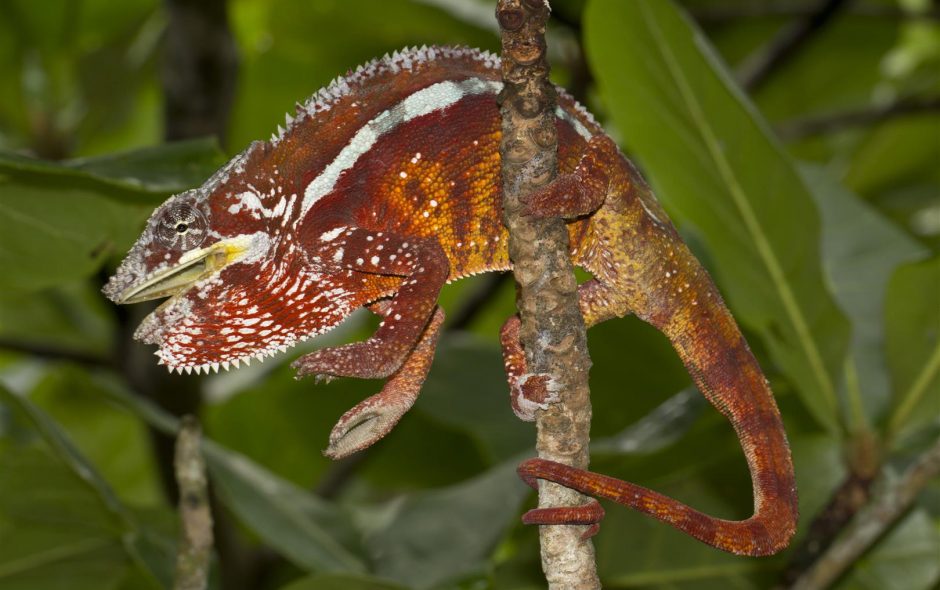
(181, 226)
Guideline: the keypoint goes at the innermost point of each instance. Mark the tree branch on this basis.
(199, 69)
(889, 505)
(788, 42)
(722, 15)
(195, 542)
(552, 331)
(829, 123)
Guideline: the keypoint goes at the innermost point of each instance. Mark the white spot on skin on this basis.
(338, 255)
(375, 260)
(403, 174)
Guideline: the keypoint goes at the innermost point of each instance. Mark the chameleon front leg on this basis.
(403, 346)
(373, 418)
(424, 268)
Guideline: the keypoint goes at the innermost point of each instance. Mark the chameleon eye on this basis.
(182, 227)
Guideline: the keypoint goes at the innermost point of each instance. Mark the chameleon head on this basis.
(224, 256)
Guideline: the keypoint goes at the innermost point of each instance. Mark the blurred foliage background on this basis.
(796, 145)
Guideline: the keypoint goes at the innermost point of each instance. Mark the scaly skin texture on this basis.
(385, 186)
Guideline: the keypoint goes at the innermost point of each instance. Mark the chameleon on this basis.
(384, 186)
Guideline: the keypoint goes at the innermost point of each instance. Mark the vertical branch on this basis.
(552, 332)
(195, 543)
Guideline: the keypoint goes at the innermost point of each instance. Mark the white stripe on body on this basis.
(426, 101)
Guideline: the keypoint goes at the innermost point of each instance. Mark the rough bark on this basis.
(552, 332)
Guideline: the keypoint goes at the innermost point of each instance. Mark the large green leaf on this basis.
(57, 509)
(717, 168)
(313, 533)
(913, 345)
(60, 222)
(143, 175)
(861, 250)
(428, 538)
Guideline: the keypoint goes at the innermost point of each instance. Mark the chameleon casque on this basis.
(386, 185)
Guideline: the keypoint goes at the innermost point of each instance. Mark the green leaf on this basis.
(718, 168)
(428, 538)
(313, 533)
(53, 235)
(159, 170)
(861, 250)
(660, 428)
(62, 512)
(54, 531)
(276, 45)
(65, 450)
(913, 345)
(71, 318)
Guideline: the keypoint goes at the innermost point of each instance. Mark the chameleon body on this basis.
(384, 186)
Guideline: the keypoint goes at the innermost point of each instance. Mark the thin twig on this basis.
(864, 459)
(195, 543)
(889, 505)
(820, 124)
(552, 331)
(758, 68)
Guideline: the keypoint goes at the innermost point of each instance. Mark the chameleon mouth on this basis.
(193, 267)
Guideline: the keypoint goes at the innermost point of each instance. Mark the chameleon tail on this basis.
(689, 310)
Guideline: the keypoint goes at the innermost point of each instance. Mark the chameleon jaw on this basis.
(192, 267)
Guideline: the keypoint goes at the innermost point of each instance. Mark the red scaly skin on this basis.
(386, 185)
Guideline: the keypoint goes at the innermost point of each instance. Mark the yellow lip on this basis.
(192, 268)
